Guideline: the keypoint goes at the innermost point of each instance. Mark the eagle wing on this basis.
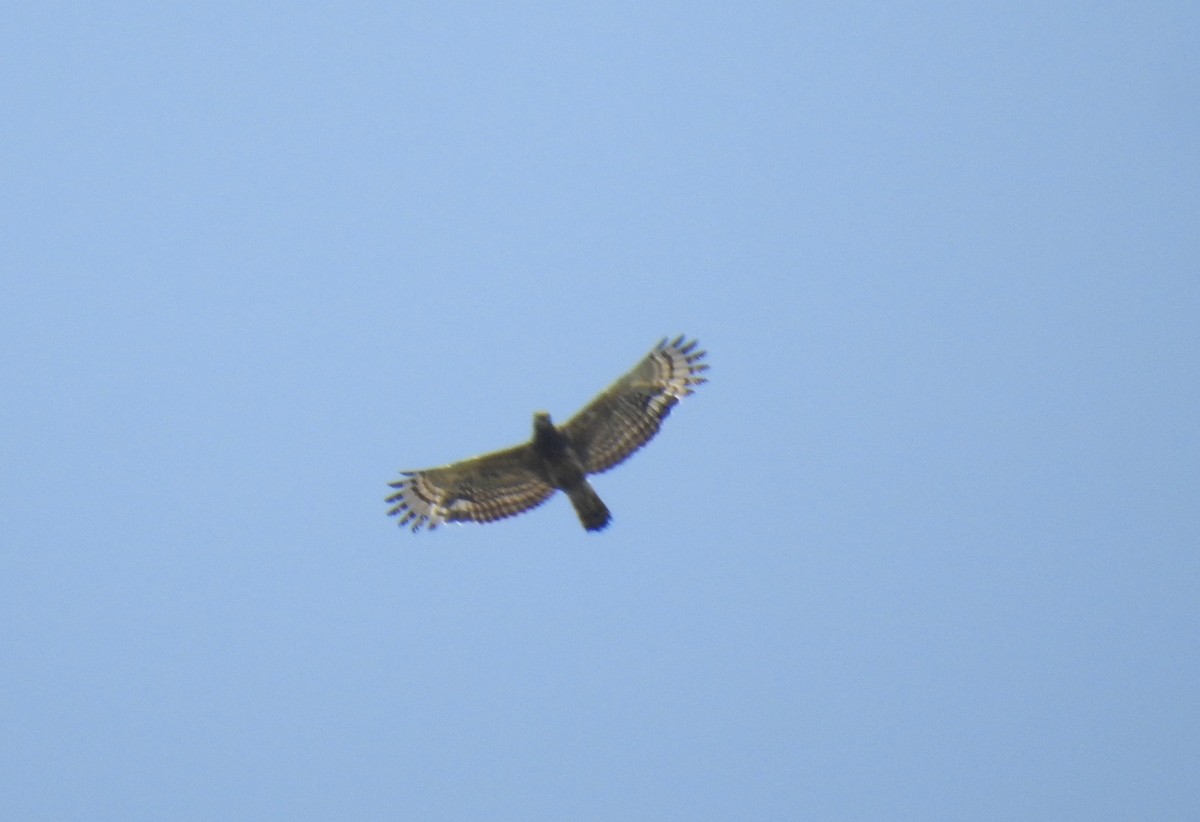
(481, 489)
(630, 411)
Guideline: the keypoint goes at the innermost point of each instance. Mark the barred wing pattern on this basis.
(630, 411)
(480, 489)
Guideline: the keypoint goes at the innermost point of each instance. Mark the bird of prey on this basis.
(606, 431)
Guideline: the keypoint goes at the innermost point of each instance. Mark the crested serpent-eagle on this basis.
(559, 457)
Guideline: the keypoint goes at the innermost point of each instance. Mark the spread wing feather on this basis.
(630, 411)
(480, 489)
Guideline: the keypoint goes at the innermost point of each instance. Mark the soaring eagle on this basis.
(559, 457)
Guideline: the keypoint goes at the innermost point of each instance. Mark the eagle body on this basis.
(565, 471)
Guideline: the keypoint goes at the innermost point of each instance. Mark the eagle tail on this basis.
(593, 513)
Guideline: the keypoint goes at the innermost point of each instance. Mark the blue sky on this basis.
(925, 547)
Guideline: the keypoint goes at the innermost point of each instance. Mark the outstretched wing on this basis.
(630, 411)
(480, 489)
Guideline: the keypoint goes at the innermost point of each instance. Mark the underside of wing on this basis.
(480, 489)
(630, 411)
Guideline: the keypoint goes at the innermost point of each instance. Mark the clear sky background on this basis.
(927, 546)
